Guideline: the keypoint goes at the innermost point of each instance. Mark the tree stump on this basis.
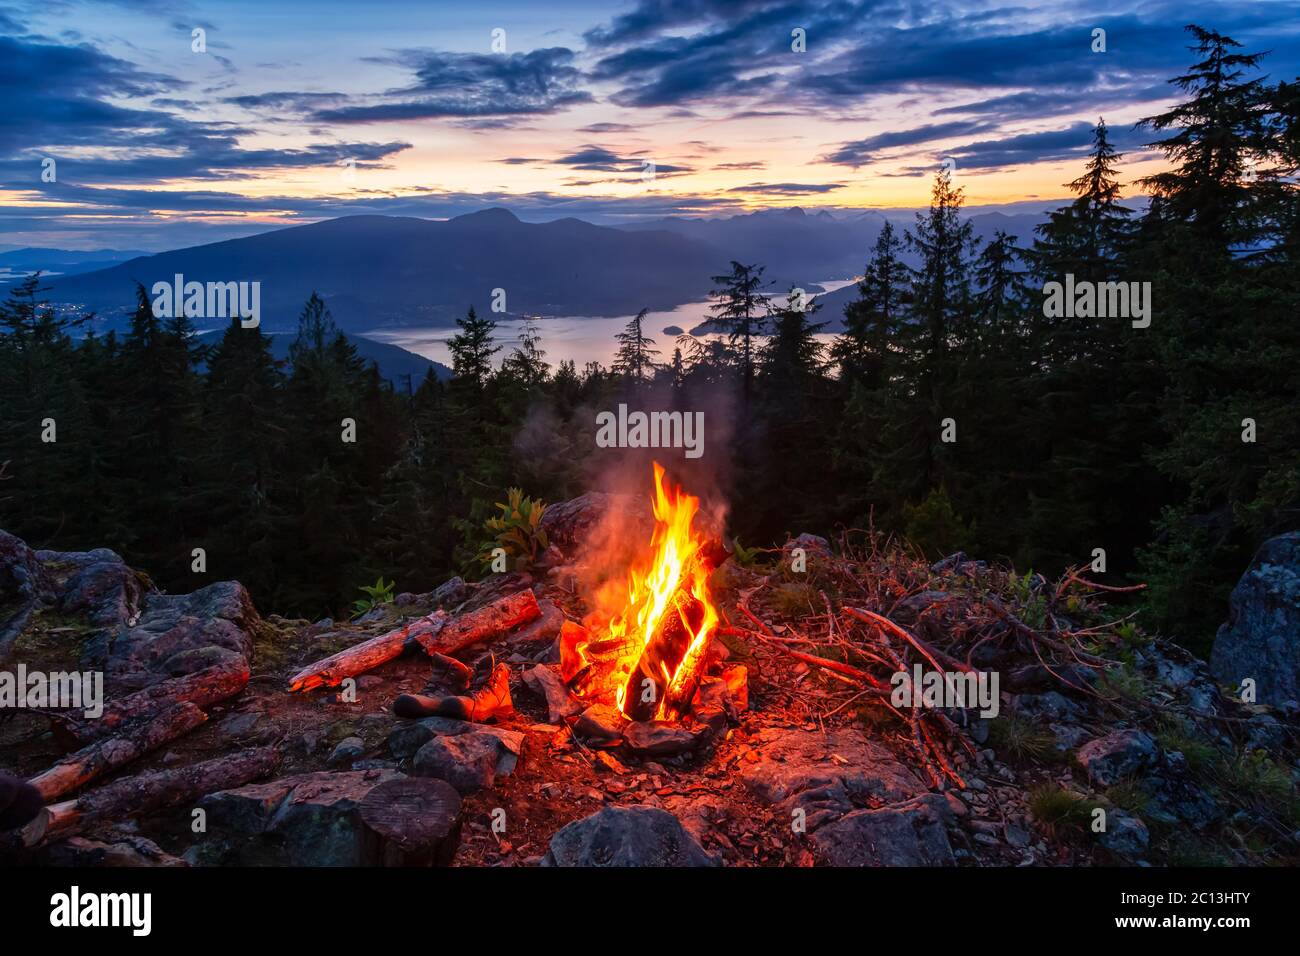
(414, 821)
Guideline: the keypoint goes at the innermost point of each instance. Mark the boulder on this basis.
(1111, 758)
(911, 834)
(470, 761)
(22, 583)
(177, 634)
(310, 819)
(410, 735)
(1126, 835)
(626, 837)
(605, 523)
(1261, 639)
(826, 775)
(96, 585)
(347, 750)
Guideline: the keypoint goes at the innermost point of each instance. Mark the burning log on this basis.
(489, 702)
(663, 654)
(414, 821)
(367, 655)
(78, 769)
(202, 688)
(151, 792)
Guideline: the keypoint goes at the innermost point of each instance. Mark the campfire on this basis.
(650, 659)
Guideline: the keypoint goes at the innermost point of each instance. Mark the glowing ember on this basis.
(649, 658)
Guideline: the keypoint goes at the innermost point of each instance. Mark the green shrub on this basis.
(517, 531)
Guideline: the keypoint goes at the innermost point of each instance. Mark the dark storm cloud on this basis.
(471, 85)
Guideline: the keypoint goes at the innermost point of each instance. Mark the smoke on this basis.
(559, 452)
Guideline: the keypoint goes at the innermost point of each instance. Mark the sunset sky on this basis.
(298, 112)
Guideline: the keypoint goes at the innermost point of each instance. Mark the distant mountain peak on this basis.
(488, 217)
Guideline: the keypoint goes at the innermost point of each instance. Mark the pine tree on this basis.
(874, 318)
(742, 310)
(635, 357)
(1219, 131)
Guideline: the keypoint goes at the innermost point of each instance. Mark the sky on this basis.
(277, 113)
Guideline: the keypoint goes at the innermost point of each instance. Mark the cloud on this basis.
(1072, 142)
(861, 152)
(470, 85)
(787, 189)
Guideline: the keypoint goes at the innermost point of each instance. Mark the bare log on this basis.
(76, 770)
(488, 621)
(413, 821)
(151, 792)
(202, 688)
(491, 701)
(367, 655)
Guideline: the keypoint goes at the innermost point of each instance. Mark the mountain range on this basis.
(387, 271)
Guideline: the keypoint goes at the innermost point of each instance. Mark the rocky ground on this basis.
(1097, 722)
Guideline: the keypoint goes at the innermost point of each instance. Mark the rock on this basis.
(348, 750)
(545, 681)
(410, 735)
(811, 543)
(1182, 672)
(602, 723)
(1261, 639)
(958, 563)
(182, 631)
(911, 834)
(1125, 835)
(826, 775)
(1264, 732)
(1017, 836)
(470, 761)
(626, 837)
(931, 613)
(132, 851)
(1051, 706)
(1068, 736)
(658, 738)
(305, 820)
(1109, 759)
(596, 520)
(239, 726)
(1176, 798)
(96, 585)
(22, 582)
(450, 593)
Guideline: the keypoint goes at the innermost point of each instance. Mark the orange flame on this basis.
(677, 565)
